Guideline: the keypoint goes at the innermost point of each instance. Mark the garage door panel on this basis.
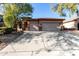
(50, 26)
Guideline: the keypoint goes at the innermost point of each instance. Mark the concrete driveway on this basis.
(43, 44)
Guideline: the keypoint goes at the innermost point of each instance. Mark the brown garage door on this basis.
(50, 26)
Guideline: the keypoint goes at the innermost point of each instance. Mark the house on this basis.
(39, 24)
(36, 24)
(71, 24)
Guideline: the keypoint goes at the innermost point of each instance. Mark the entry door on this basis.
(25, 26)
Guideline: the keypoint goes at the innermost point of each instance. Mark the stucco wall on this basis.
(69, 25)
(33, 26)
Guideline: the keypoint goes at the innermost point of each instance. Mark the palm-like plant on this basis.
(9, 15)
(70, 7)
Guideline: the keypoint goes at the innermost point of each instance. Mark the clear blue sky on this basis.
(43, 10)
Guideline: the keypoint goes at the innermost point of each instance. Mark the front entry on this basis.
(78, 26)
(25, 25)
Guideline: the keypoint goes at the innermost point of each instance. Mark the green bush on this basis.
(8, 30)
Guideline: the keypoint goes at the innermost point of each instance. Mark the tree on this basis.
(9, 15)
(12, 11)
(70, 7)
(24, 8)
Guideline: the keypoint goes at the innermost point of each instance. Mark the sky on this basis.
(43, 10)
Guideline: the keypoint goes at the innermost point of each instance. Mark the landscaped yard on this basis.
(42, 43)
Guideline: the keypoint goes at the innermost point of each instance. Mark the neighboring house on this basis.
(72, 23)
(39, 24)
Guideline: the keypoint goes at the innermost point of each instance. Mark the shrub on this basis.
(8, 30)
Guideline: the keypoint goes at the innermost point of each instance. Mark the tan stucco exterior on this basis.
(46, 24)
(69, 25)
(72, 24)
(33, 26)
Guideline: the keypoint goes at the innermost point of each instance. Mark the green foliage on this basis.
(9, 21)
(8, 30)
(24, 8)
(71, 7)
(11, 12)
(9, 15)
